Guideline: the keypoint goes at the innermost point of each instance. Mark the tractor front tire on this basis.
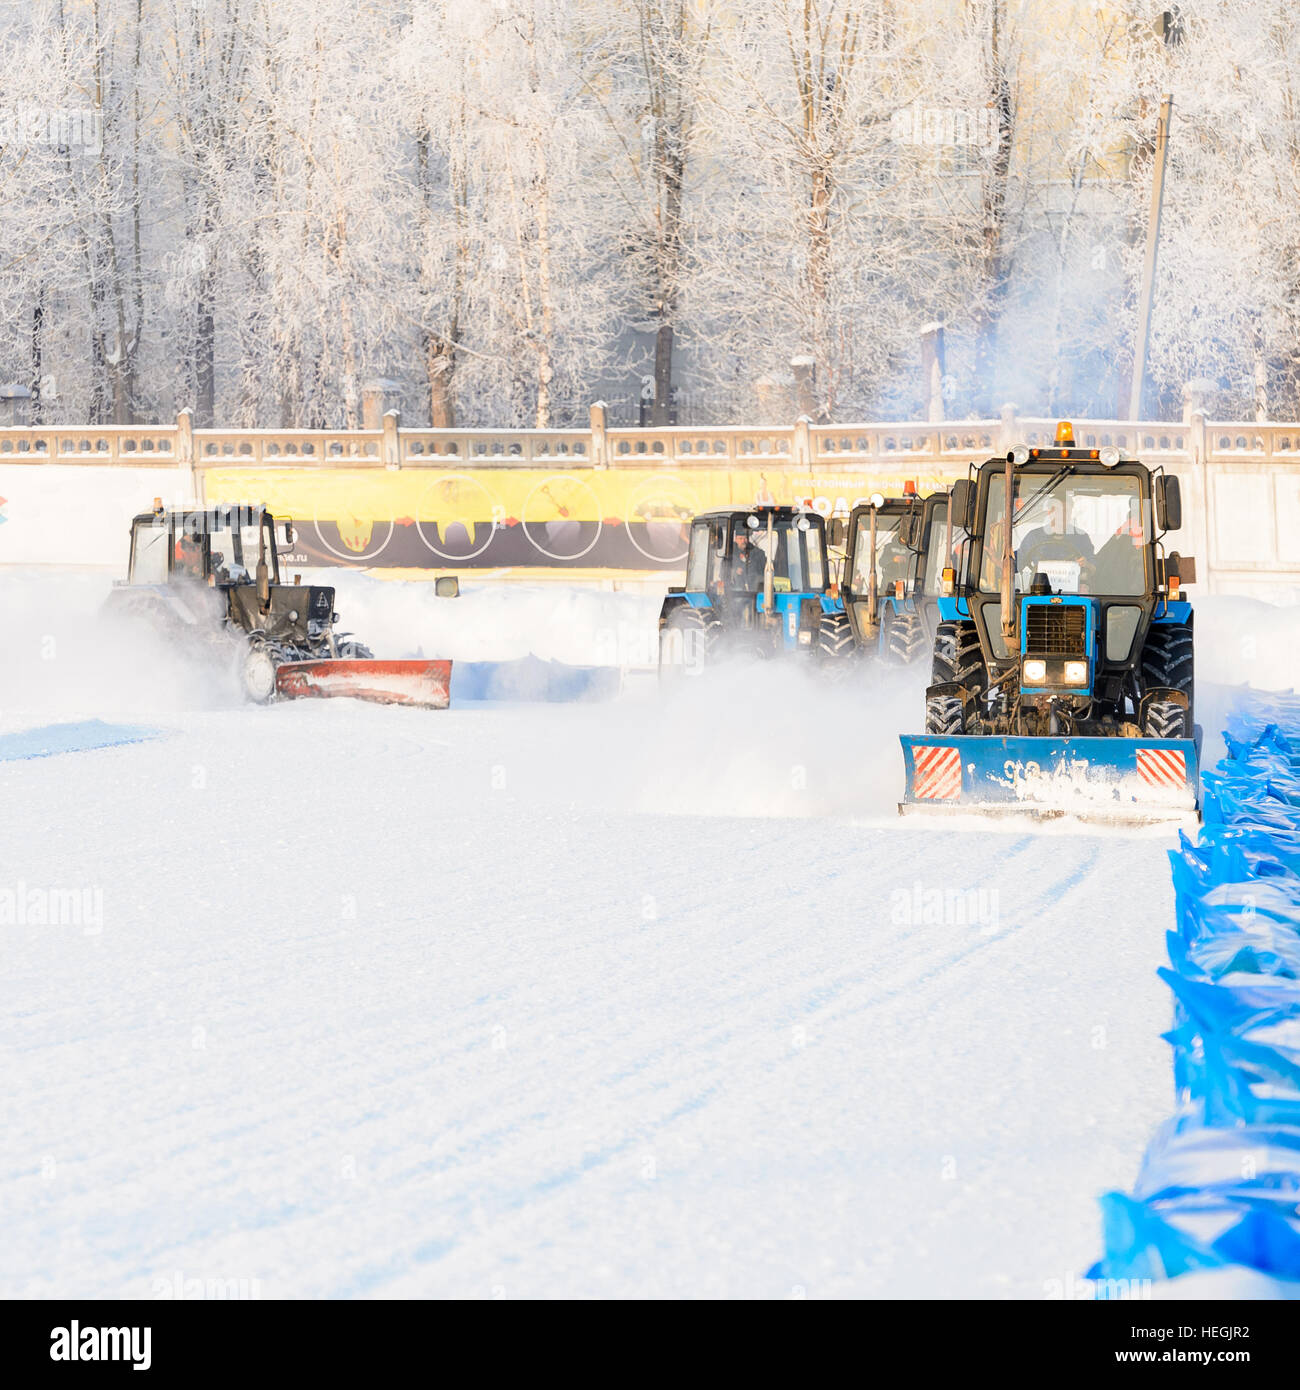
(1166, 719)
(257, 674)
(945, 715)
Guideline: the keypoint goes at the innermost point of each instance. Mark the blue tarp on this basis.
(52, 739)
(1220, 1184)
(532, 679)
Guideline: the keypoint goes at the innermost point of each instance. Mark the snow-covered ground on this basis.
(649, 998)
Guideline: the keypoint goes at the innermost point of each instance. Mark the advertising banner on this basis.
(488, 518)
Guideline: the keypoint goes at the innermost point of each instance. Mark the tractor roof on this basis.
(215, 515)
(778, 513)
(1053, 455)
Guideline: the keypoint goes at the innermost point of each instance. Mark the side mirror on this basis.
(907, 529)
(836, 531)
(1181, 567)
(288, 533)
(1169, 503)
(446, 586)
(961, 504)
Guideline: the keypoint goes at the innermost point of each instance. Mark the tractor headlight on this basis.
(1109, 456)
(1076, 673)
(1035, 672)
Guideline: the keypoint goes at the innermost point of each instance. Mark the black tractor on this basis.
(208, 579)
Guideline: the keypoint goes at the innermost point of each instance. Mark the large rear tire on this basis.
(834, 639)
(1168, 659)
(686, 642)
(958, 659)
(905, 637)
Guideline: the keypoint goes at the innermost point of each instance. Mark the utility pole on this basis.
(1149, 261)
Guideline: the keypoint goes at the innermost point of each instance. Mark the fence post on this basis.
(185, 452)
(803, 443)
(1010, 430)
(392, 448)
(599, 458)
(1199, 441)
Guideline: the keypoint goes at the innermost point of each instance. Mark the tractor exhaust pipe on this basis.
(1008, 558)
(872, 625)
(263, 569)
(769, 576)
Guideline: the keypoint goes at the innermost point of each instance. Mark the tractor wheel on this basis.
(905, 638)
(834, 641)
(1168, 664)
(257, 673)
(1165, 719)
(685, 642)
(944, 714)
(957, 657)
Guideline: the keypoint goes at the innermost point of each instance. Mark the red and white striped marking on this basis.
(1162, 767)
(937, 773)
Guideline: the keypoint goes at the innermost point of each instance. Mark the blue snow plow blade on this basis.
(530, 678)
(52, 739)
(1108, 779)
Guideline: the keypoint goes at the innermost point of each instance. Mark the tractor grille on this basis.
(1053, 629)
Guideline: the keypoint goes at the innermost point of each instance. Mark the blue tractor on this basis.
(1062, 676)
(896, 551)
(757, 584)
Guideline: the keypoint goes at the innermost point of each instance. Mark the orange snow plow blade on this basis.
(423, 683)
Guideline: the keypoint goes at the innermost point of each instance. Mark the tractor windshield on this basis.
(149, 552)
(938, 549)
(894, 560)
(1086, 533)
(235, 548)
(798, 556)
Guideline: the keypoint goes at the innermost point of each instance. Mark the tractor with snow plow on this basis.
(207, 580)
(1062, 675)
(757, 584)
(896, 550)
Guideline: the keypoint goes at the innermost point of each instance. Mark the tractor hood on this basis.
(292, 608)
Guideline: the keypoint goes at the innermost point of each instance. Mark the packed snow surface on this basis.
(655, 997)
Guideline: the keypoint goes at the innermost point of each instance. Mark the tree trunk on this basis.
(440, 368)
(988, 316)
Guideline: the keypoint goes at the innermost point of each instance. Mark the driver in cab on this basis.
(747, 563)
(1052, 548)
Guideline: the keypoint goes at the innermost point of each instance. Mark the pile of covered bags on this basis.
(1217, 1201)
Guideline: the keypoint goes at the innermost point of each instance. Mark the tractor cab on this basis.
(730, 553)
(182, 554)
(757, 581)
(897, 550)
(218, 546)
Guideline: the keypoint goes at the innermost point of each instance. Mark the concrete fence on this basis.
(600, 500)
